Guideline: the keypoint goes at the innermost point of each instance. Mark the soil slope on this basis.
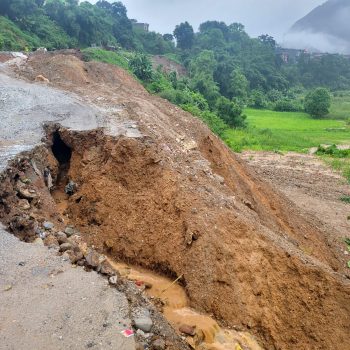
(179, 201)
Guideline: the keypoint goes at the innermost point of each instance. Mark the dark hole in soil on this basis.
(60, 150)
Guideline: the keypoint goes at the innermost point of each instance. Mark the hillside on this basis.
(167, 194)
(331, 21)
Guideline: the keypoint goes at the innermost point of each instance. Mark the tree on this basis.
(230, 112)
(184, 35)
(168, 37)
(317, 102)
(268, 40)
(238, 85)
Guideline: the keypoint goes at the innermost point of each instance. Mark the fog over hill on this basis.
(273, 17)
(326, 28)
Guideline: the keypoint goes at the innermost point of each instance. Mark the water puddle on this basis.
(207, 334)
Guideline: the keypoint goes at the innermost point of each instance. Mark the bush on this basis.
(257, 99)
(333, 151)
(318, 102)
(230, 112)
(286, 105)
(141, 66)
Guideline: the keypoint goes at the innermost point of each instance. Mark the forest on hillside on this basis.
(227, 69)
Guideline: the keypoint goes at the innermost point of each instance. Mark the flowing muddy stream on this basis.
(208, 334)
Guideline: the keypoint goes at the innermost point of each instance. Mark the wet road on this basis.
(25, 107)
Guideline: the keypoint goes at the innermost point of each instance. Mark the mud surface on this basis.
(177, 201)
(310, 184)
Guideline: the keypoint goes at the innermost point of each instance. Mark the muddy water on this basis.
(209, 335)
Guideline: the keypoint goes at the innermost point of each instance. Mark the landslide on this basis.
(177, 200)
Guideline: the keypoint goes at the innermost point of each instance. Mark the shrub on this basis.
(286, 105)
(318, 102)
(141, 67)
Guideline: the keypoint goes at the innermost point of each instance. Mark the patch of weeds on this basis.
(345, 199)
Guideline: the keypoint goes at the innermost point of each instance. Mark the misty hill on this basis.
(327, 27)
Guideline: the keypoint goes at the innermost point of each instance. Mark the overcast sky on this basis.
(274, 17)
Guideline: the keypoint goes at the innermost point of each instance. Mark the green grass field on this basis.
(340, 108)
(286, 131)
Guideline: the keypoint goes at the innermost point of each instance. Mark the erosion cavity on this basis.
(60, 150)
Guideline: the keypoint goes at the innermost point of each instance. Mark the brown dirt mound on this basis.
(179, 201)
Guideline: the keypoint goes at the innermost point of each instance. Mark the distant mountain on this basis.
(327, 27)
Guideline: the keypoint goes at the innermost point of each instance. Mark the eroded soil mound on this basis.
(179, 201)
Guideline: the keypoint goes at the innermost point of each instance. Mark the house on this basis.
(141, 26)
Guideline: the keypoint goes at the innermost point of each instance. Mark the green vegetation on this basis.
(13, 38)
(117, 58)
(318, 102)
(345, 199)
(285, 131)
(340, 107)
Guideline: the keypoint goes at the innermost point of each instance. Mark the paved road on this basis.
(25, 107)
(47, 304)
(44, 302)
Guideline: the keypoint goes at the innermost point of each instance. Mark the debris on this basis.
(41, 78)
(188, 330)
(158, 344)
(48, 225)
(127, 333)
(51, 241)
(48, 178)
(143, 320)
(93, 259)
(25, 193)
(71, 188)
(65, 246)
(8, 287)
(113, 280)
(69, 231)
(61, 237)
(24, 204)
(105, 268)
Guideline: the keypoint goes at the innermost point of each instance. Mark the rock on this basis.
(69, 231)
(113, 280)
(38, 241)
(74, 257)
(24, 193)
(158, 344)
(108, 244)
(24, 204)
(71, 188)
(188, 330)
(65, 246)
(42, 79)
(8, 287)
(148, 285)
(106, 268)
(142, 320)
(93, 259)
(61, 237)
(50, 241)
(48, 225)
(190, 145)
(248, 204)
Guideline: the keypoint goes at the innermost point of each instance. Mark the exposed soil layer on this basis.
(168, 65)
(177, 200)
